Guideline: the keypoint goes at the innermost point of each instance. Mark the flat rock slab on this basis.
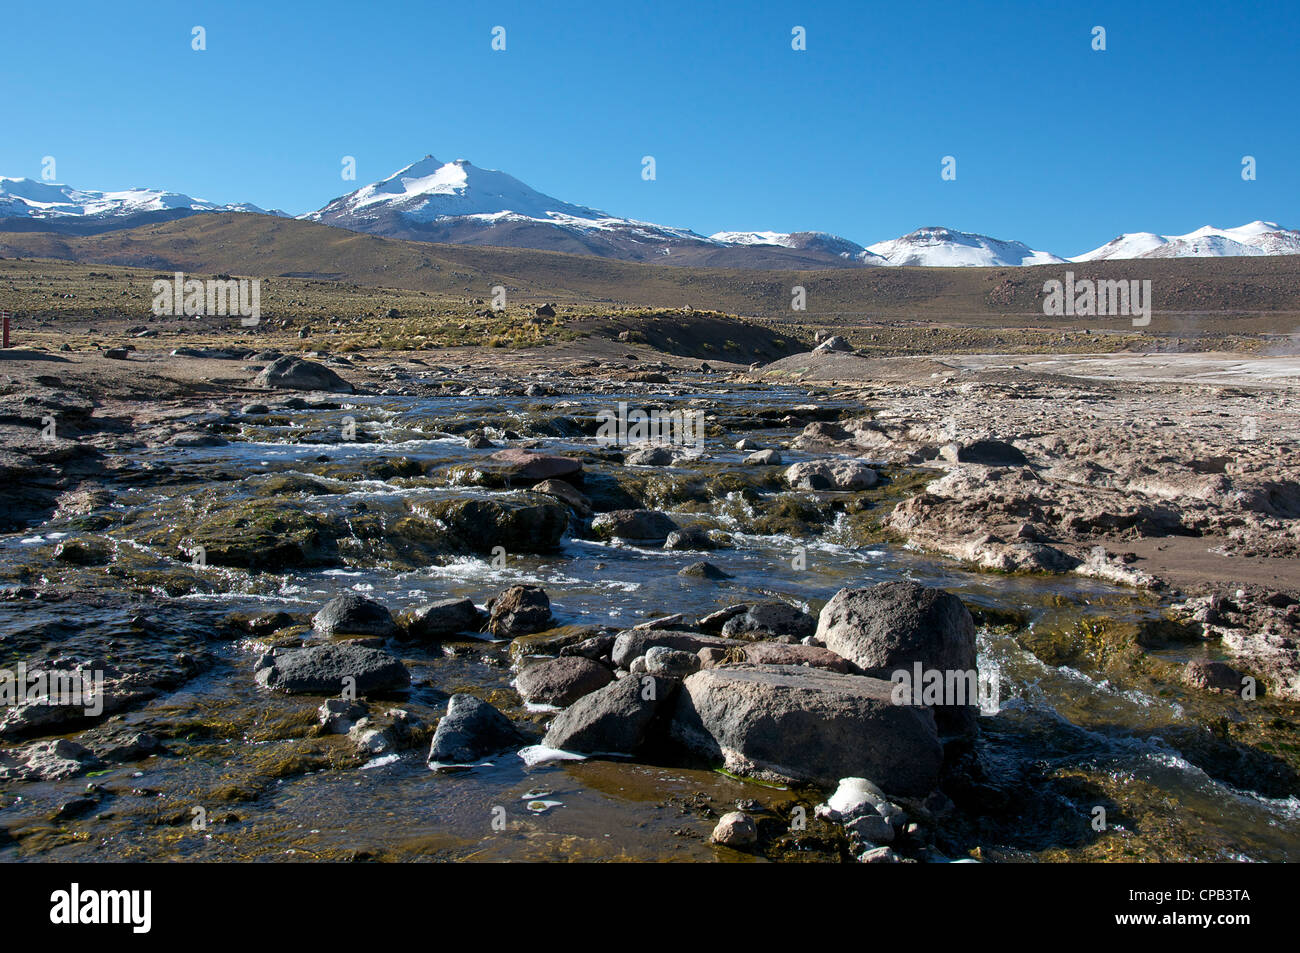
(46, 761)
(804, 724)
(327, 669)
(529, 465)
(778, 653)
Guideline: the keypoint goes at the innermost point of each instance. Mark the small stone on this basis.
(871, 828)
(704, 570)
(670, 663)
(878, 855)
(735, 829)
(856, 796)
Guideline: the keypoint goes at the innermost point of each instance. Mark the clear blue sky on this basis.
(1056, 145)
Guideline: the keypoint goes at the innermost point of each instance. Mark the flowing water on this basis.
(1072, 733)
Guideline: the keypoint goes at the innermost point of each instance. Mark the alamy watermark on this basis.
(946, 687)
(133, 908)
(71, 688)
(1102, 297)
(215, 297)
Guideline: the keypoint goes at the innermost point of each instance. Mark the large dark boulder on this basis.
(804, 724)
(529, 466)
(637, 526)
(613, 720)
(522, 523)
(437, 620)
(519, 610)
(351, 614)
(471, 730)
(329, 669)
(770, 620)
(893, 626)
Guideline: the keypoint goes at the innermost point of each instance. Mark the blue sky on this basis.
(1056, 145)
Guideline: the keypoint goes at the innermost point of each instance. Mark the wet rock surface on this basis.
(471, 729)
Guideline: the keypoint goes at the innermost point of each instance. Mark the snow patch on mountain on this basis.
(1253, 238)
(431, 189)
(946, 248)
(29, 198)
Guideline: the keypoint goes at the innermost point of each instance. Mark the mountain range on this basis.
(460, 203)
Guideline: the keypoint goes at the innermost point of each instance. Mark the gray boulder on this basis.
(803, 724)
(769, 457)
(641, 526)
(831, 475)
(692, 537)
(671, 663)
(472, 729)
(704, 570)
(834, 343)
(895, 625)
(735, 829)
(633, 643)
(612, 720)
(293, 373)
(769, 620)
(651, 455)
(567, 494)
(436, 620)
(351, 614)
(329, 669)
(519, 610)
(561, 681)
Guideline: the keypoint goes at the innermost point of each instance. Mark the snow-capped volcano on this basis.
(29, 198)
(430, 189)
(1255, 238)
(458, 202)
(944, 247)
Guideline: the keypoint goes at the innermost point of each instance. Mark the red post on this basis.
(6, 332)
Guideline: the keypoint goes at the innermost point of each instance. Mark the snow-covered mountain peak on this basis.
(1208, 241)
(30, 198)
(936, 246)
(431, 189)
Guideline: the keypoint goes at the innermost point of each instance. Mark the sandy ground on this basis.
(1206, 368)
